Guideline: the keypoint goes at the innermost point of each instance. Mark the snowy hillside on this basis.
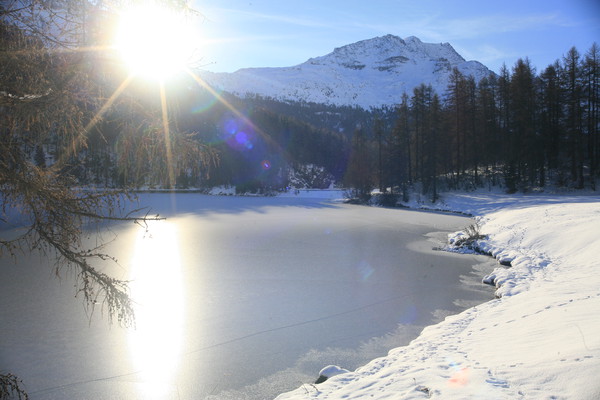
(369, 73)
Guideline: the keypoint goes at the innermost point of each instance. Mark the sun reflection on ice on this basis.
(156, 288)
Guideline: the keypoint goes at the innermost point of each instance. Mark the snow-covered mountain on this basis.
(369, 73)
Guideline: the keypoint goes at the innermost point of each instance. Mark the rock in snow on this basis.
(370, 73)
(329, 372)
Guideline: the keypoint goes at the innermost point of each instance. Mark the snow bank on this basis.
(539, 340)
(329, 194)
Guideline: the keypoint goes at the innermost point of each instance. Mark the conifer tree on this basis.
(435, 114)
(591, 72)
(551, 114)
(400, 148)
(524, 147)
(573, 115)
(487, 122)
(378, 132)
(359, 173)
(456, 105)
(472, 139)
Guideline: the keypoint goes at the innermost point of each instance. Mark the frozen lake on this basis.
(237, 298)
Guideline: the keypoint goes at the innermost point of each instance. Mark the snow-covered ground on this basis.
(539, 340)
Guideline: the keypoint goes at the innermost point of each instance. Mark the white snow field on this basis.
(539, 340)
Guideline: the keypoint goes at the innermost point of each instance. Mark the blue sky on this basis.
(275, 33)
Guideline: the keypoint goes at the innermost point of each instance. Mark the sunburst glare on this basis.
(156, 42)
(156, 287)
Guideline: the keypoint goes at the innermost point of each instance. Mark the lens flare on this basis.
(460, 378)
(365, 270)
(230, 126)
(266, 165)
(243, 140)
(237, 135)
(204, 104)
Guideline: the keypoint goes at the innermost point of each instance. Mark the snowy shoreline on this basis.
(540, 339)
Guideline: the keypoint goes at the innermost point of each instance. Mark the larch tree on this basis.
(551, 114)
(435, 130)
(400, 149)
(359, 173)
(456, 99)
(378, 132)
(591, 84)
(56, 85)
(572, 86)
(487, 121)
(524, 149)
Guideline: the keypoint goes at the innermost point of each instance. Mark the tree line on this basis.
(214, 141)
(519, 128)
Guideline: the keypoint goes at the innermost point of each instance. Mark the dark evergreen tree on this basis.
(420, 101)
(487, 121)
(573, 122)
(456, 111)
(435, 129)
(591, 73)
(378, 132)
(505, 129)
(400, 150)
(551, 115)
(359, 175)
(524, 149)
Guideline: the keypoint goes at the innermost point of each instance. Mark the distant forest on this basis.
(521, 129)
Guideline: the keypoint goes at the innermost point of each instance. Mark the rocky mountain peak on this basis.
(369, 73)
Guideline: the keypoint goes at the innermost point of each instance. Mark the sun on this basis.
(156, 42)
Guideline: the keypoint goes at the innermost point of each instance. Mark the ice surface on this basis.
(273, 290)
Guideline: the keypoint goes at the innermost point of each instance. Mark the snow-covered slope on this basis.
(369, 73)
(540, 340)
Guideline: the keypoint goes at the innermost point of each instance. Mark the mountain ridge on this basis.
(369, 73)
